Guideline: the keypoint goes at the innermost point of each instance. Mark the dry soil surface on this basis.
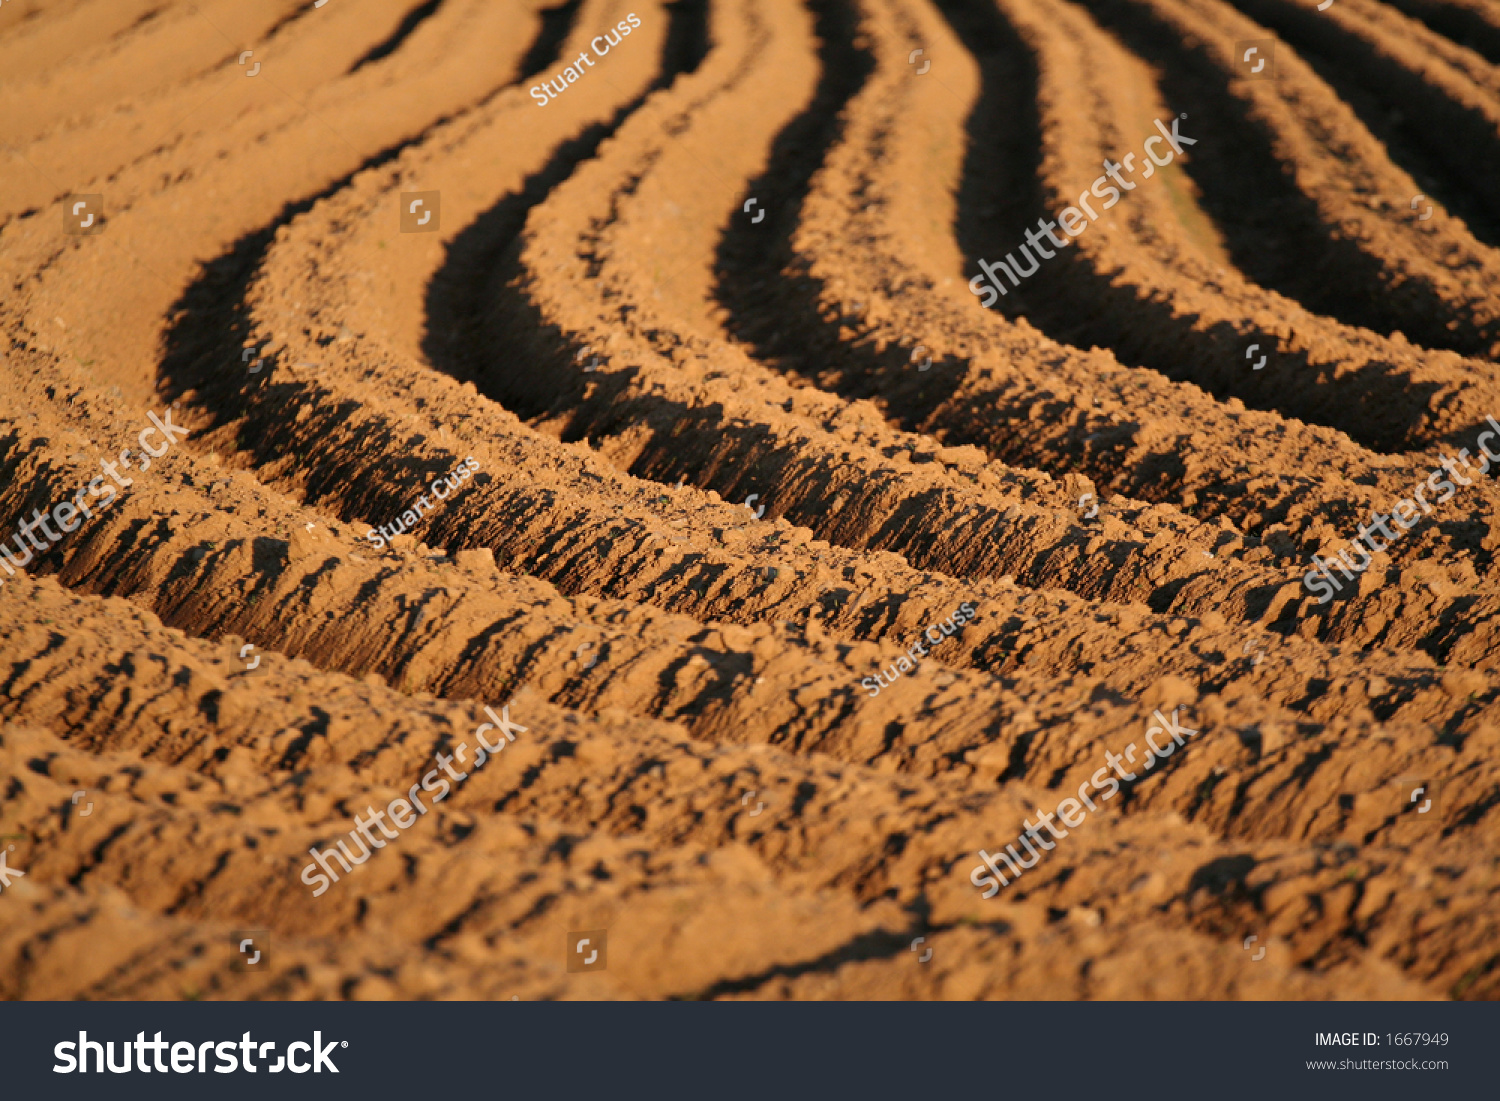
(614, 363)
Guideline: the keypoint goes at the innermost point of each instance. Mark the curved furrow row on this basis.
(169, 49)
(459, 522)
(674, 657)
(1480, 784)
(242, 844)
(665, 400)
(799, 688)
(1473, 24)
(671, 940)
(216, 555)
(341, 617)
(275, 432)
(906, 310)
(628, 784)
(1086, 77)
(1172, 299)
(592, 534)
(1339, 196)
(887, 159)
(1434, 106)
(267, 144)
(61, 943)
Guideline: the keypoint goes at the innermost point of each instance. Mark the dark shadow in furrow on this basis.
(877, 945)
(1466, 28)
(1449, 149)
(771, 301)
(290, 17)
(1002, 197)
(414, 19)
(210, 322)
(463, 327)
(687, 40)
(1274, 233)
(556, 22)
(482, 327)
(477, 311)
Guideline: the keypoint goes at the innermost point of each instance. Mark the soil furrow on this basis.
(656, 421)
(1066, 418)
(880, 617)
(419, 479)
(60, 943)
(166, 47)
(1172, 298)
(151, 244)
(580, 759)
(99, 144)
(1433, 106)
(874, 359)
(1473, 24)
(1379, 267)
(960, 724)
(242, 843)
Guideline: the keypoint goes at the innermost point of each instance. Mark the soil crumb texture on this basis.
(749, 499)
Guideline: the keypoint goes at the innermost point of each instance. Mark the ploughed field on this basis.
(377, 366)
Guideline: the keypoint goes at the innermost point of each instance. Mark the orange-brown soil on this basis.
(728, 264)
